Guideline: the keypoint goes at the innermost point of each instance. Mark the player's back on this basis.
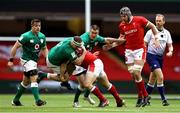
(61, 52)
(88, 59)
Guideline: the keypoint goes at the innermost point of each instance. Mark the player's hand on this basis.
(10, 64)
(169, 54)
(65, 77)
(122, 39)
(156, 41)
(96, 53)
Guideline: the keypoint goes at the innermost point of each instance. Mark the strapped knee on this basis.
(130, 69)
(137, 67)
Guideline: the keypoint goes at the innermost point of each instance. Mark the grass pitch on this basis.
(62, 103)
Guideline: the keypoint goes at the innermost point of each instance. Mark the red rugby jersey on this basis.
(134, 32)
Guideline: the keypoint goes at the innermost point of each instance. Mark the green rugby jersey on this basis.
(31, 45)
(89, 43)
(62, 52)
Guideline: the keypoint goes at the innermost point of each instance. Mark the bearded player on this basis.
(132, 31)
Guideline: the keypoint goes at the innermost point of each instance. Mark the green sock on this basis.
(42, 75)
(35, 91)
(87, 92)
(78, 93)
(19, 93)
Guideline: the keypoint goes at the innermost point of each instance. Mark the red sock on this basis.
(145, 94)
(98, 93)
(140, 93)
(114, 92)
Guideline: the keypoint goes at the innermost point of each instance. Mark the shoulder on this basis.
(167, 31)
(140, 19)
(66, 40)
(84, 35)
(26, 34)
(100, 37)
(41, 35)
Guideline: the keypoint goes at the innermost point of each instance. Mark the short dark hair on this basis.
(94, 27)
(35, 20)
(161, 16)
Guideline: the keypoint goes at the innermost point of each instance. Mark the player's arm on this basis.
(63, 75)
(155, 33)
(146, 43)
(109, 40)
(120, 41)
(13, 52)
(147, 37)
(151, 26)
(170, 50)
(45, 51)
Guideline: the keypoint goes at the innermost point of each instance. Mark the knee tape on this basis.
(130, 69)
(34, 84)
(137, 68)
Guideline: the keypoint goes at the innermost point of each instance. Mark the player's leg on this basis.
(41, 76)
(88, 83)
(67, 85)
(160, 86)
(31, 72)
(139, 60)
(22, 87)
(79, 90)
(130, 65)
(80, 72)
(51, 76)
(34, 87)
(138, 85)
(103, 79)
(152, 60)
(94, 71)
(87, 97)
(138, 65)
(151, 83)
(70, 67)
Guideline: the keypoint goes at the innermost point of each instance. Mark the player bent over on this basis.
(95, 71)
